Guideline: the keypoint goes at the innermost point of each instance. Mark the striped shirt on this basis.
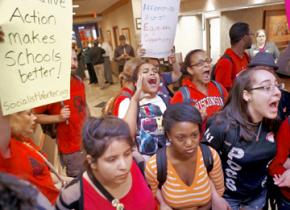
(179, 195)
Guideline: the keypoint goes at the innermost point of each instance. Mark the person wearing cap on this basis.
(235, 59)
(266, 61)
(123, 53)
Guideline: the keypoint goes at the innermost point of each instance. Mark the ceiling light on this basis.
(74, 13)
(76, 6)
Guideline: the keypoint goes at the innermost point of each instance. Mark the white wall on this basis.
(188, 34)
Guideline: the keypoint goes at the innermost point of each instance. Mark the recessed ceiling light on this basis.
(76, 6)
(74, 13)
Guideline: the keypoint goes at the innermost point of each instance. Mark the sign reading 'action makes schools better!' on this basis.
(36, 54)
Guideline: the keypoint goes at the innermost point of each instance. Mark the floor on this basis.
(96, 98)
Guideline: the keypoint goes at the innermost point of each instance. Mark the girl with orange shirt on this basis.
(187, 184)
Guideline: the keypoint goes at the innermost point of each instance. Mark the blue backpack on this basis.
(186, 94)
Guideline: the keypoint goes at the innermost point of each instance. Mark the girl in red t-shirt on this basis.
(112, 179)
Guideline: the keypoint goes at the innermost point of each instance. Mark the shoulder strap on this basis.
(207, 157)
(161, 162)
(233, 140)
(220, 89)
(125, 93)
(224, 56)
(228, 57)
(81, 201)
(49, 165)
(185, 95)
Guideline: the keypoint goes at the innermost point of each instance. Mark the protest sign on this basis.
(36, 54)
(287, 6)
(159, 20)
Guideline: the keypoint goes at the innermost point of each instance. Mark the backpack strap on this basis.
(207, 157)
(220, 89)
(161, 161)
(126, 93)
(224, 56)
(81, 201)
(226, 147)
(186, 95)
(228, 57)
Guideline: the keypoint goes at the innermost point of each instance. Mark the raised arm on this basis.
(132, 112)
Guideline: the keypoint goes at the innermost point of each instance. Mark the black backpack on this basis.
(161, 160)
(226, 56)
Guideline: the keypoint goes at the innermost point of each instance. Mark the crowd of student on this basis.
(215, 144)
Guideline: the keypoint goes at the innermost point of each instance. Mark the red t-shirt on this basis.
(282, 153)
(28, 165)
(212, 102)
(226, 71)
(139, 197)
(69, 134)
(125, 93)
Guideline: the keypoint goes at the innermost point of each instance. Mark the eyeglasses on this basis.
(202, 62)
(267, 88)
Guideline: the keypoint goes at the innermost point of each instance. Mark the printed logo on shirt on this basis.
(270, 137)
(209, 101)
(79, 104)
(37, 167)
(232, 168)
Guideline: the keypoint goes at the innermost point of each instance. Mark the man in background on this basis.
(235, 59)
(123, 53)
(90, 66)
(96, 55)
(108, 56)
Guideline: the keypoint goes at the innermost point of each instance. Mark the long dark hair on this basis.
(99, 133)
(235, 112)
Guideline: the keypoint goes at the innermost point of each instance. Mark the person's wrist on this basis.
(61, 118)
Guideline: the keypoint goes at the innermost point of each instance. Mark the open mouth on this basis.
(152, 81)
(206, 73)
(274, 106)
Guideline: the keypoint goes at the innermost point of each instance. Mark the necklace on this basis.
(259, 131)
(114, 201)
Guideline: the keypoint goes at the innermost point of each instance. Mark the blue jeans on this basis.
(283, 203)
(251, 203)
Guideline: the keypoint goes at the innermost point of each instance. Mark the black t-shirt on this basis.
(244, 162)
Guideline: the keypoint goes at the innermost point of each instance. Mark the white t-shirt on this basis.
(124, 105)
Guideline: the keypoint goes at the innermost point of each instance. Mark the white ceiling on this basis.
(91, 6)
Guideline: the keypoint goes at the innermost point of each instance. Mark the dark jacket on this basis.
(96, 55)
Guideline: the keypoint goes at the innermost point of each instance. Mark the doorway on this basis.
(213, 38)
(116, 35)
